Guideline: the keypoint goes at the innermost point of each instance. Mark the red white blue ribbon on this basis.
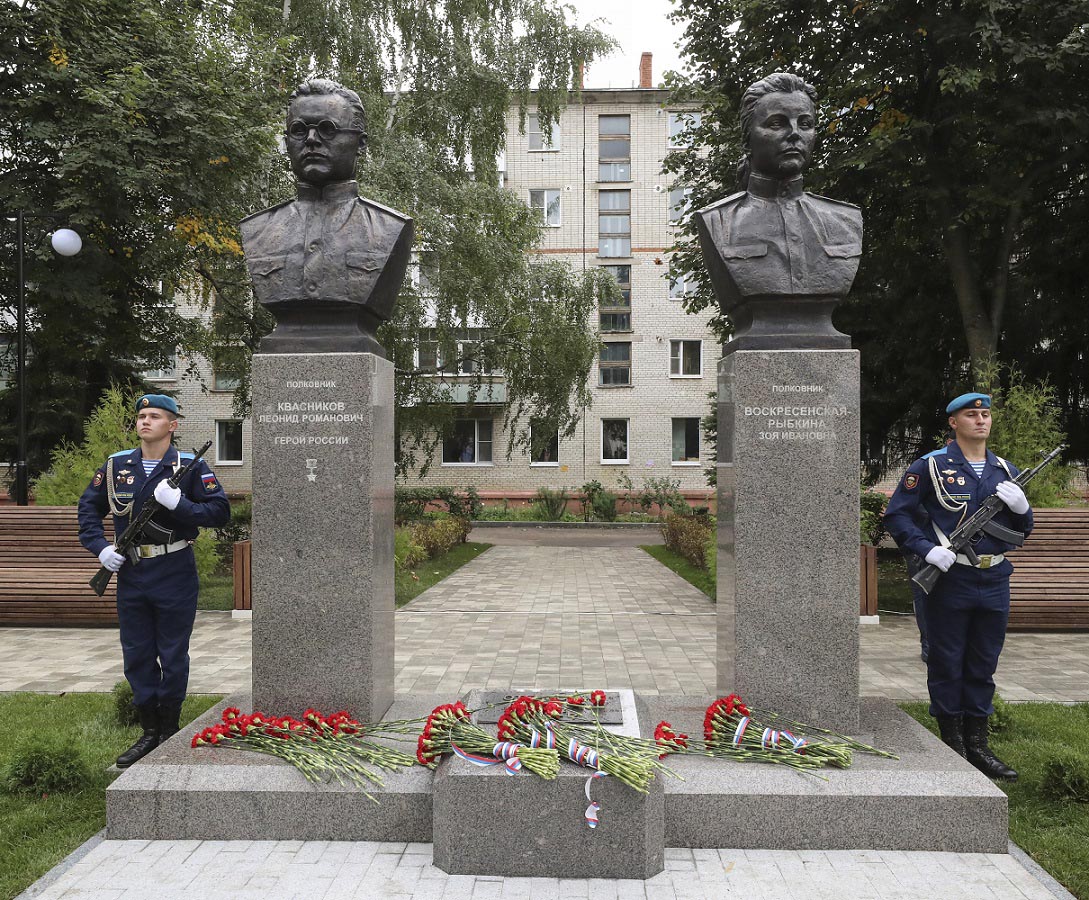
(799, 743)
(549, 737)
(740, 732)
(594, 808)
(504, 752)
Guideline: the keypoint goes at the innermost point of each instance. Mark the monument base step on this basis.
(929, 799)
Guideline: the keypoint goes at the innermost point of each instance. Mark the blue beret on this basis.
(159, 401)
(966, 401)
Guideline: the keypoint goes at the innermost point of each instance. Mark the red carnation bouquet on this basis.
(322, 747)
(450, 729)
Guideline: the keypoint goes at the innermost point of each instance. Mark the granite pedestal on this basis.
(788, 542)
(323, 593)
(489, 823)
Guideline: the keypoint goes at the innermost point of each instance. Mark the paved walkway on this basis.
(545, 617)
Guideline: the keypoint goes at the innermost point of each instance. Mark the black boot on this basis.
(952, 732)
(169, 714)
(148, 741)
(979, 752)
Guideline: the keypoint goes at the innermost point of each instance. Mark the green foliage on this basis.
(440, 536)
(663, 493)
(206, 551)
(700, 578)
(871, 525)
(551, 503)
(590, 491)
(1066, 776)
(961, 131)
(710, 434)
(407, 554)
(603, 506)
(1024, 426)
(1003, 716)
(411, 504)
(690, 537)
(46, 765)
(126, 714)
(108, 430)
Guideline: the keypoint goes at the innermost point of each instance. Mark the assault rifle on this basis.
(980, 523)
(130, 537)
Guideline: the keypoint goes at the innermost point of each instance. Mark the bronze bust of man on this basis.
(780, 259)
(328, 265)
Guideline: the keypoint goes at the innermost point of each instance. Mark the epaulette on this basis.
(386, 209)
(185, 454)
(263, 211)
(718, 203)
(836, 202)
(123, 452)
(934, 453)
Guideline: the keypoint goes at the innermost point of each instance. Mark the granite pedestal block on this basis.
(489, 823)
(928, 799)
(323, 594)
(788, 595)
(213, 793)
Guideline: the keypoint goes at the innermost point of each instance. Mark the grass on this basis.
(216, 592)
(700, 578)
(410, 584)
(893, 587)
(37, 832)
(1054, 832)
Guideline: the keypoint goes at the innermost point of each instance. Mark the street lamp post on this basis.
(67, 243)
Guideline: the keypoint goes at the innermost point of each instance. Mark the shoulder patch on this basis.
(263, 212)
(718, 204)
(208, 479)
(97, 479)
(911, 481)
(374, 204)
(836, 202)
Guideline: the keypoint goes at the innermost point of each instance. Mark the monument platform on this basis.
(929, 799)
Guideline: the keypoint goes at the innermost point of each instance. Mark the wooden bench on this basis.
(1049, 588)
(45, 571)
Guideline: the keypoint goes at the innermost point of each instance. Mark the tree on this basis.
(960, 128)
(145, 123)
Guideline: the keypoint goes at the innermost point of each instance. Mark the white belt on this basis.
(986, 560)
(146, 551)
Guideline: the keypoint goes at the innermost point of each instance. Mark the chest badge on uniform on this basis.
(910, 480)
(950, 479)
(949, 471)
(124, 472)
(130, 479)
(960, 480)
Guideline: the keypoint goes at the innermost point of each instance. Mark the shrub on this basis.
(440, 536)
(410, 504)
(1066, 775)
(1002, 719)
(871, 523)
(604, 506)
(124, 711)
(662, 492)
(688, 536)
(590, 492)
(552, 504)
(207, 554)
(46, 766)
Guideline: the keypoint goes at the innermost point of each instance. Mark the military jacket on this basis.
(203, 502)
(329, 246)
(776, 239)
(944, 487)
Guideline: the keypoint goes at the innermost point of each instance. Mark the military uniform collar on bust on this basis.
(336, 192)
(773, 189)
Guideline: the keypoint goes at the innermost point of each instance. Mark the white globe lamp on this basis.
(66, 242)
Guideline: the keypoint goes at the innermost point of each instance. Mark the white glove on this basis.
(942, 557)
(168, 496)
(1011, 494)
(110, 558)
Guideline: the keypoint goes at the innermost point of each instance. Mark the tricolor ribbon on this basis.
(581, 754)
(740, 732)
(798, 742)
(504, 752)
(594, 808)
(549, 737)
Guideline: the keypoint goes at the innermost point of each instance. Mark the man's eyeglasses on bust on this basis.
(326, 129)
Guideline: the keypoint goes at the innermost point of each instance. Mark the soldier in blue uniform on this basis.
(967, 611)
(156, 593)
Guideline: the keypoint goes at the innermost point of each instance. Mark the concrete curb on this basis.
(573, 525)
(50, 877)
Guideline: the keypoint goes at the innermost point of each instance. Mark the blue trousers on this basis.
(966, 616)
(156, 607)
(918, 597)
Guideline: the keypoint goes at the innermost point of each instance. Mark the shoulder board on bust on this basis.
(723, 202)
(123, 452)
(836, 202)
(383, 208)
(264, 212)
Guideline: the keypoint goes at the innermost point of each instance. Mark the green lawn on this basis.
(1055, 833)
(700, 578)
(216, 592)
(36, 831)
(410, 584)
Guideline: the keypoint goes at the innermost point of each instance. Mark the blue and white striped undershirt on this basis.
(977, 467)
(149, 464)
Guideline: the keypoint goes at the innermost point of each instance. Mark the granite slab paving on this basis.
(326, 870)
(546, 617)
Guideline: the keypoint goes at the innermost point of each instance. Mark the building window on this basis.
(680, 204)
(686, 441)
(427, 353)
(679, 124)
(169, 372)
(615, 321)
(228, 442)
(686, 359)
(614, 441)
(538, 140)
(546, 205)
(615, 364)
(225, 363)
(614, 223)
(548, 452)
(468, 442)
(681, 284)
(614, 148)
(622, 274)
